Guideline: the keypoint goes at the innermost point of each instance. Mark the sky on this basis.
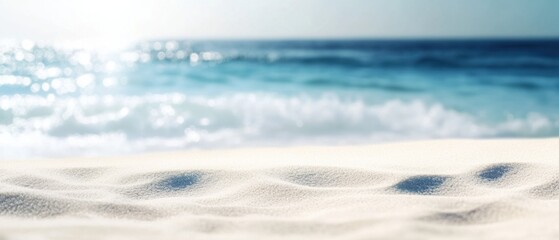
(276, 19)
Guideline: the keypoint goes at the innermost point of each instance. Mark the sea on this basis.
(62, 100)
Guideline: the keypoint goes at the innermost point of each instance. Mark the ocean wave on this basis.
(32, 126)
(506, 56)
(368, 59)
(441, 55)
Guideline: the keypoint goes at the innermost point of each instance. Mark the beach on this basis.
(279, 120)
(440, 189)
(280, 139)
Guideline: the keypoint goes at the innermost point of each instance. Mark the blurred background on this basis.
(95, 78)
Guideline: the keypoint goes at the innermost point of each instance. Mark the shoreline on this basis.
(429, 153)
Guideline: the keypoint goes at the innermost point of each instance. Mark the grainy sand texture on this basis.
(448, 189)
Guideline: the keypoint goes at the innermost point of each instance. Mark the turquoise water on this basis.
(170, 95)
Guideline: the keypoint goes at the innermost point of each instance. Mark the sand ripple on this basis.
(279, 202)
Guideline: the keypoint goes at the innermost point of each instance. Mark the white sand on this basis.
(452, 189)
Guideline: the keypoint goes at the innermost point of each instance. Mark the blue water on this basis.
(58, 100)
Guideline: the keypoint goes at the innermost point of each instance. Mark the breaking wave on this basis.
(33, 126)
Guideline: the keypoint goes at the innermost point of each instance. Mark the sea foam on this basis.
(105, 124)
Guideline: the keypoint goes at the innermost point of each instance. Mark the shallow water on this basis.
(168, 95)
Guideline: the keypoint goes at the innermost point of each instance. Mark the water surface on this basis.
(169, 95)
